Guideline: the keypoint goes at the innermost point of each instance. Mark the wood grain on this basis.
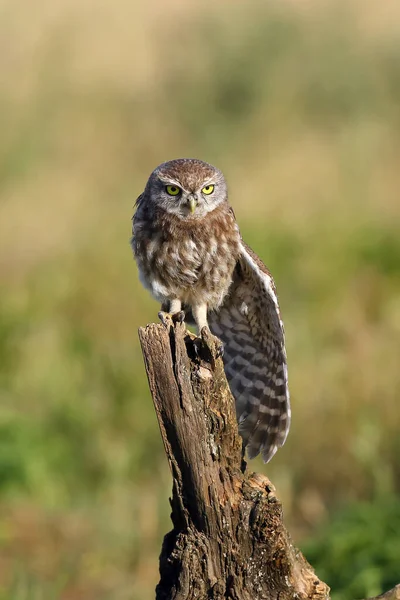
(228, 538)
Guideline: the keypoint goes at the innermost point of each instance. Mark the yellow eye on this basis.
(173, 190)
(208, 189)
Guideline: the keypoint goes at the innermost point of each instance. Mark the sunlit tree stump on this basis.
(228, 539)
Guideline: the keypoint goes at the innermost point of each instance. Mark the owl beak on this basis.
(192, 204)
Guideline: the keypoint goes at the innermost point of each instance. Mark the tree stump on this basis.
(228, 539)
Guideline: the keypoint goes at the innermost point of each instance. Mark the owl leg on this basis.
(200, 316)
(171, 311)
(175, 306)
(213, 343)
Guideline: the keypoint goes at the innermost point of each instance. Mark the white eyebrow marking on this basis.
(169, 181)
(210, 181)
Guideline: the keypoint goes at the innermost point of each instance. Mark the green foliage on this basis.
(357, 553)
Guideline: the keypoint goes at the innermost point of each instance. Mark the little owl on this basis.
(191, 257)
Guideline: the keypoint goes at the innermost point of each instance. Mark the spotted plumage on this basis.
(190, 255)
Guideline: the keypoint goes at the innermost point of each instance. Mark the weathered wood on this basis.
(228, 539)
(393, 594)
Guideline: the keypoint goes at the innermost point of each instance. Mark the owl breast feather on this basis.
(193, 263)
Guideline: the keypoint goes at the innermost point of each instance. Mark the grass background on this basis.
(298, 102)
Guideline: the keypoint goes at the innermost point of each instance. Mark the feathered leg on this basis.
(213, 343)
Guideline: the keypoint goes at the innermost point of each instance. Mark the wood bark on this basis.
(228, 539)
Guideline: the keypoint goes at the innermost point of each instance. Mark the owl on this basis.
(193, 260)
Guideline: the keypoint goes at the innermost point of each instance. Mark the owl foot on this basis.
(168, 319)
(212, 343)
(179, 317)
(165, 318)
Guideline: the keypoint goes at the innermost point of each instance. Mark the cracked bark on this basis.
(228, 538)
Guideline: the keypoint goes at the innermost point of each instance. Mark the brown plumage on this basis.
(190, 253)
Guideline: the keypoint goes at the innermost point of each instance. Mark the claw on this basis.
(178, 317)
(165, 318)
(212, 343)
(168, 319)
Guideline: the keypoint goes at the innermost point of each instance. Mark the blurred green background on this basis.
(298, 102)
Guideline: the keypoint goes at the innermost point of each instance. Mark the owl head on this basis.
(186, 187)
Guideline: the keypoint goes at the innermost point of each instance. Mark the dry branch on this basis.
(228, 539)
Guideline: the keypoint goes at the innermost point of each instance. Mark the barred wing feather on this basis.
(249, 324)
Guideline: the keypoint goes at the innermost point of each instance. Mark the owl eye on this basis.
(172, 190)
(208, 189)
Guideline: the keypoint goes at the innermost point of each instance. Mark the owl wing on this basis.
(249, 324)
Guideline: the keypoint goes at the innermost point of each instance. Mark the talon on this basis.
(168, 319)
(178, 317)
(197, 347)
(212, 343)
(165, 318)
